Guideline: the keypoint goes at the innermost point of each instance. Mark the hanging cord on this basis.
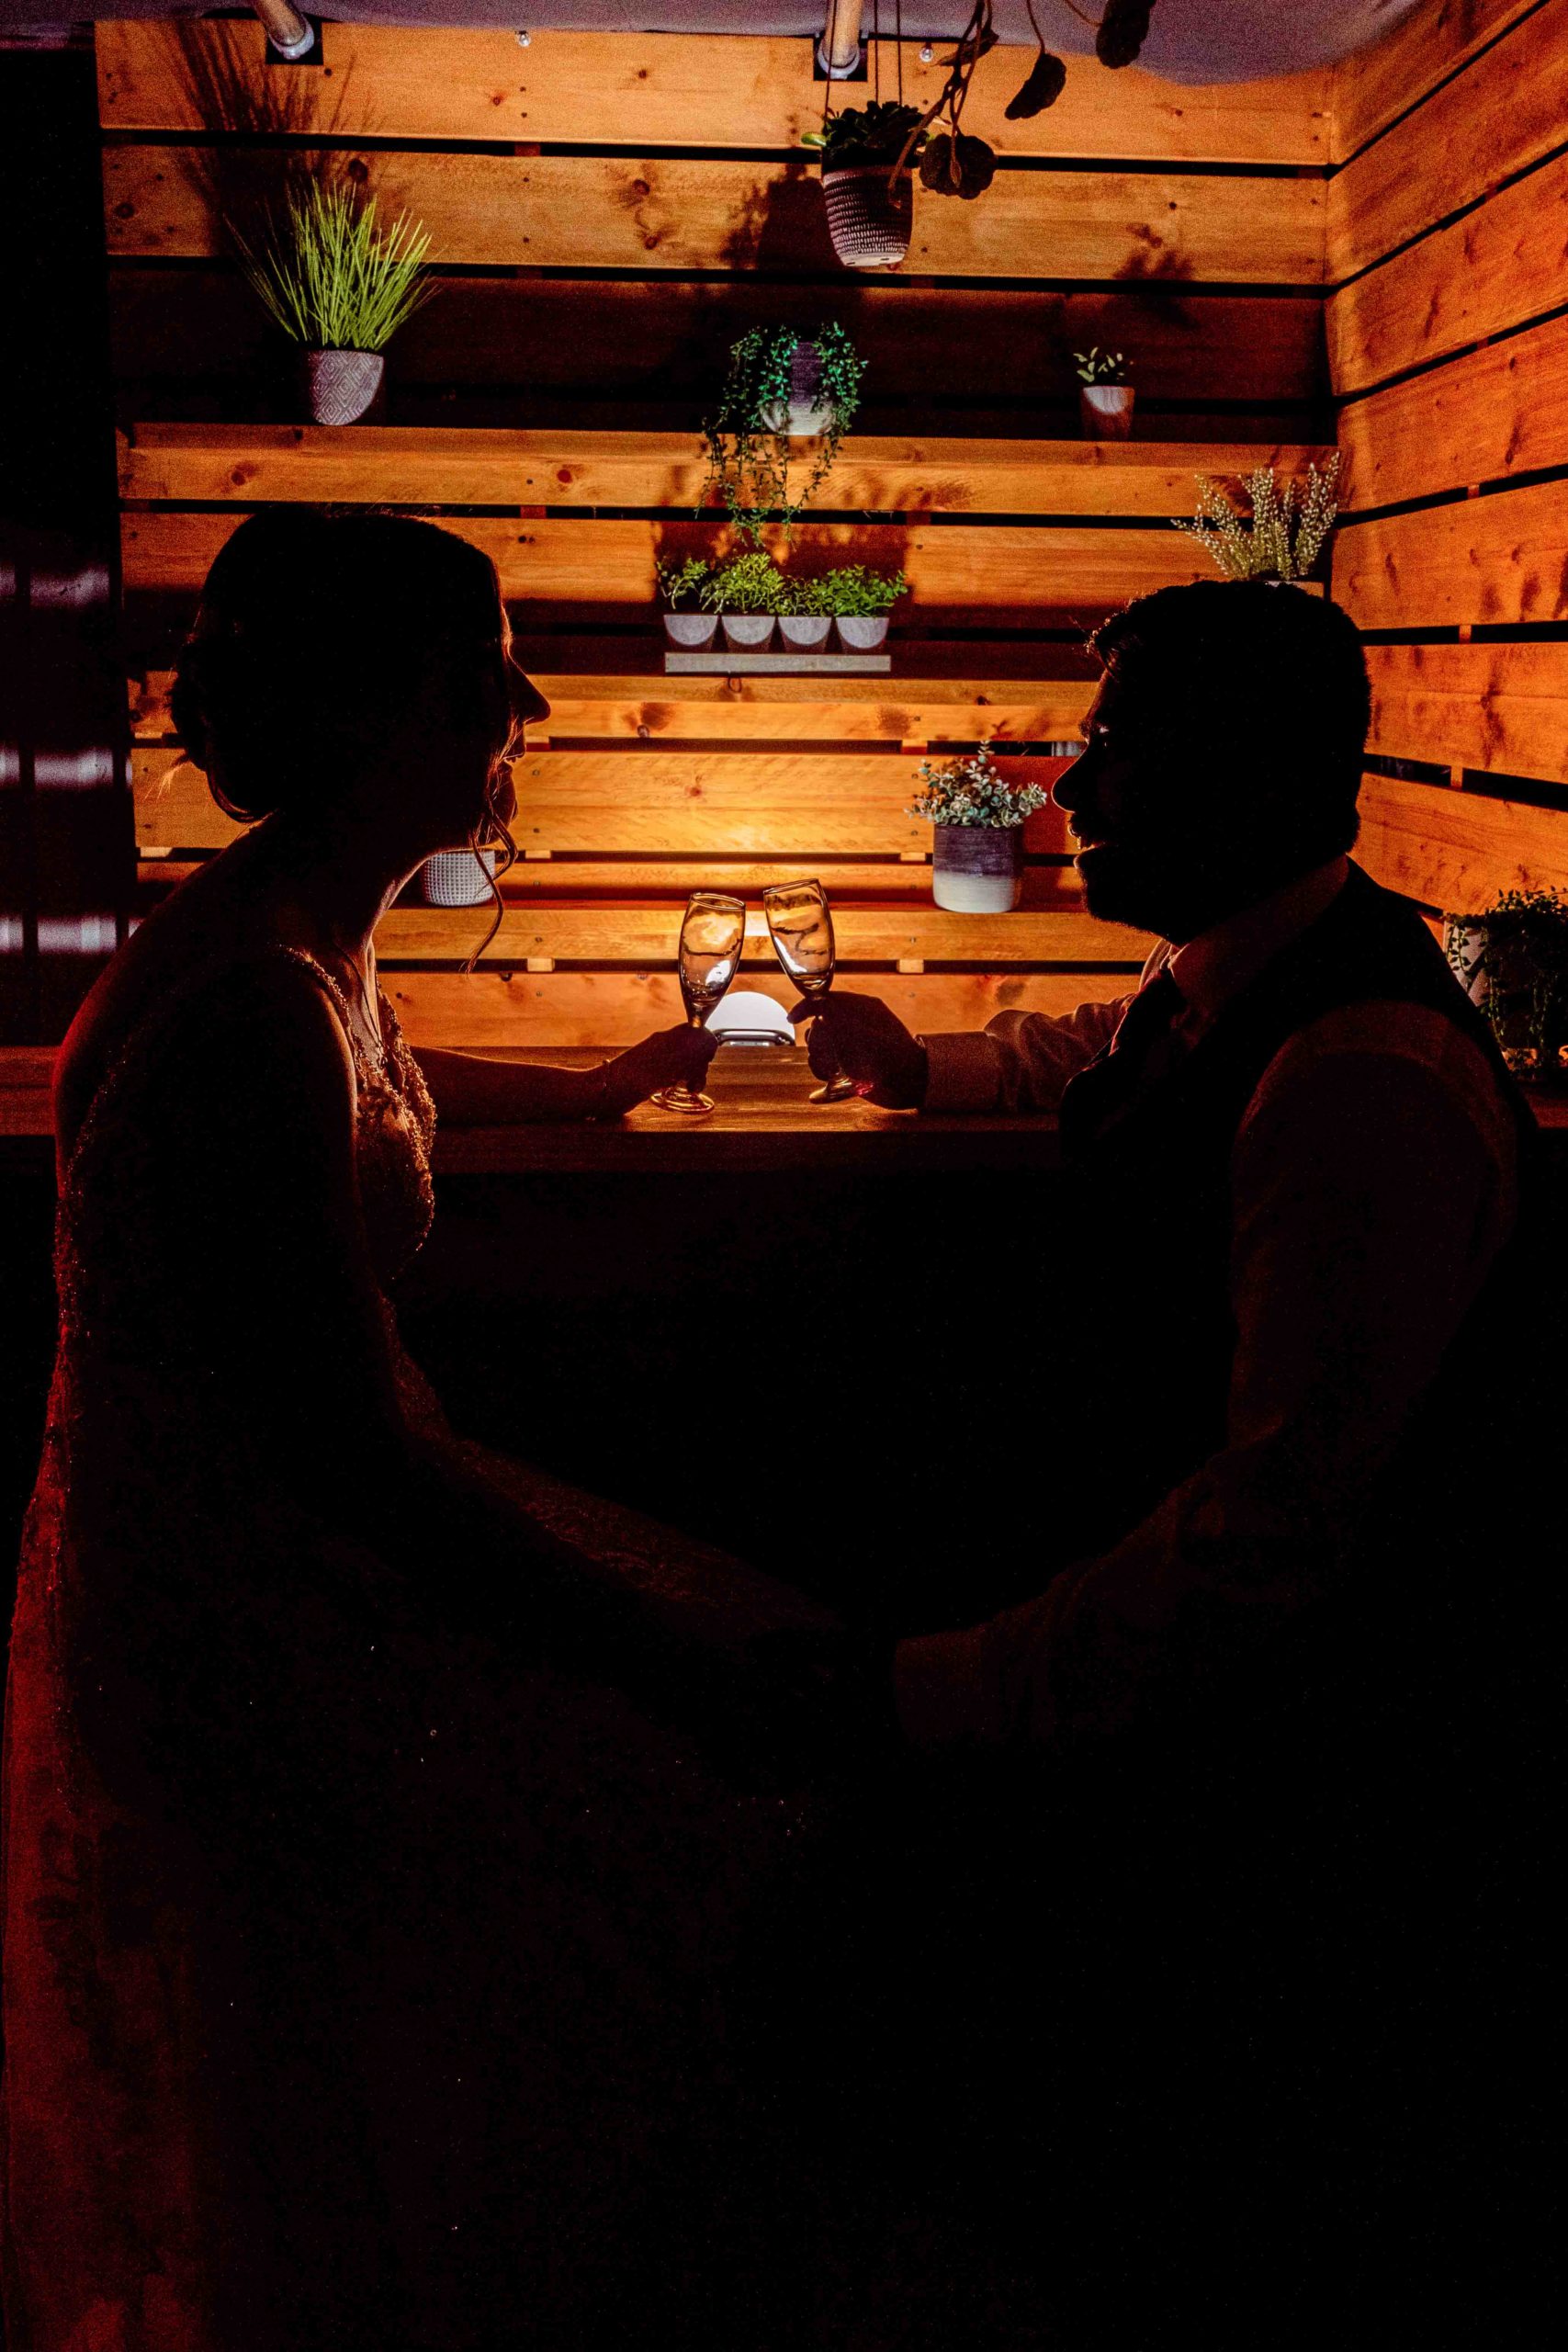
(899, 43)
(827, 76)
(877, 50)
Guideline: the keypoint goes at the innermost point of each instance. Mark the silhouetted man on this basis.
(1304, 1206)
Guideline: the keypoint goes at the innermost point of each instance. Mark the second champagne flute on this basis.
(800, 923)
(712, 934)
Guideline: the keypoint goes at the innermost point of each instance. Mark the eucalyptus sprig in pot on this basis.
(681, 584)
(977, 866)
(341, 287)
(748, 593)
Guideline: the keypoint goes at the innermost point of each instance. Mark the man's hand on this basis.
(866, 1040)
(668, 1057)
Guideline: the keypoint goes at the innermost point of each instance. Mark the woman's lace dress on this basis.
(364, 1988)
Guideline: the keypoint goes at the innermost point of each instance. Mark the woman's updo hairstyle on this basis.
(316, 635)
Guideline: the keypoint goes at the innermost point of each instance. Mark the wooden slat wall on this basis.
(1449, 347)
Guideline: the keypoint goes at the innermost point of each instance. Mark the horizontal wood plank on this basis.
(482, 1010)
(1505, 112)
(1501, 558)
(1502, 708)
(1375, 83)
(648, 934)
(584, 564)
(386, 466)
(1457, 851)
(1497, 268)
(1497, 412)
(663, 213)
(671, 89)
(1044, 884)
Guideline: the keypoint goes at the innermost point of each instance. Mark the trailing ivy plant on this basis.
(748, 456)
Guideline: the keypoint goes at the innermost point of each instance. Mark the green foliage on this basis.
(1513, 960)
(855, 593)
(1269, 542)
(330, 278)
(809, 599)
(749, 459)
(682, 581)
(972, 791)
(876, 133)
(1096, 366)
(749, 582)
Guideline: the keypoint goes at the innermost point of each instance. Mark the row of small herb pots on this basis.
(752, 632)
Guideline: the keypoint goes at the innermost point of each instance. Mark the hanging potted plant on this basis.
(340, 287)
(1513, 962)
(682, 584)
(748, 593)
(780, 385)
(1105, 397)
(859, 600)
(1270, 542)
(867, 153)
(978, 867)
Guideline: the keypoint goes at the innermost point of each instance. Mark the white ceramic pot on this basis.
(693, 631)
(458, 877)
(977, 869)
(804, 632)
(340, 385)
(859, 633)
(748, 632)
(1106, 411)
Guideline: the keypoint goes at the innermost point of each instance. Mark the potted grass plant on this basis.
(1273, 540)
(780, 385)
(748, 593)
(1513, 962)
(340, 285)
(1105, 397)
(977, 866)
(682, 584)
(859, 600)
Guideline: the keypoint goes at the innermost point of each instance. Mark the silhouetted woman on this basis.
(366, 1941)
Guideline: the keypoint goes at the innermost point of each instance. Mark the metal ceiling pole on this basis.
(286, 30)
(838, 51)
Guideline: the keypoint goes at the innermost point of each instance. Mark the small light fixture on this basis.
(524, 41)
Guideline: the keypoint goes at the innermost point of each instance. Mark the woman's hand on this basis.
(670, 1058)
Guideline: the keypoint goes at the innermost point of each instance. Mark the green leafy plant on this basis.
(1513, 961)
(748, 583)
(680, 582)
(972, 791)
(857, 136)
(748, 454)
(1270, 542)
(329, 277)
(853, 592)
(809, 598)
(1096, 366)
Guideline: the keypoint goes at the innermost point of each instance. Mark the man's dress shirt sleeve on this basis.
(1020, 1061)
(1373, 1185)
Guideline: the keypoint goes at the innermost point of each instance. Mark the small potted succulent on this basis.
(859, 600)
(867, 153)
(748, 593)
(681, 584)
(1105, 397)
(804, 627)
(780, 385)
(1513, 962)
(978, 869)
(340, 287)
(1272, 542)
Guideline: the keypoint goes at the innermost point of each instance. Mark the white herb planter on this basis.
(748, 632)
(342, 385)
(693, 631)
(859, 633)
(977, 869)
(458, 877)
(805, 412)
(869, 223)
(803, 632)
(1106, 411)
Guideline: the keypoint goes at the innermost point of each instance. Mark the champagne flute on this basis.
(800, 923)
(712, 932)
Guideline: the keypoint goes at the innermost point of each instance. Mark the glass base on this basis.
(837, 1090)
(680, 1098)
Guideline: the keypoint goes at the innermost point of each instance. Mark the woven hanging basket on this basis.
(340, 385)
(869, 223)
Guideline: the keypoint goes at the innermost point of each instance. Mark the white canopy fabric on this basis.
(1190, 41)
